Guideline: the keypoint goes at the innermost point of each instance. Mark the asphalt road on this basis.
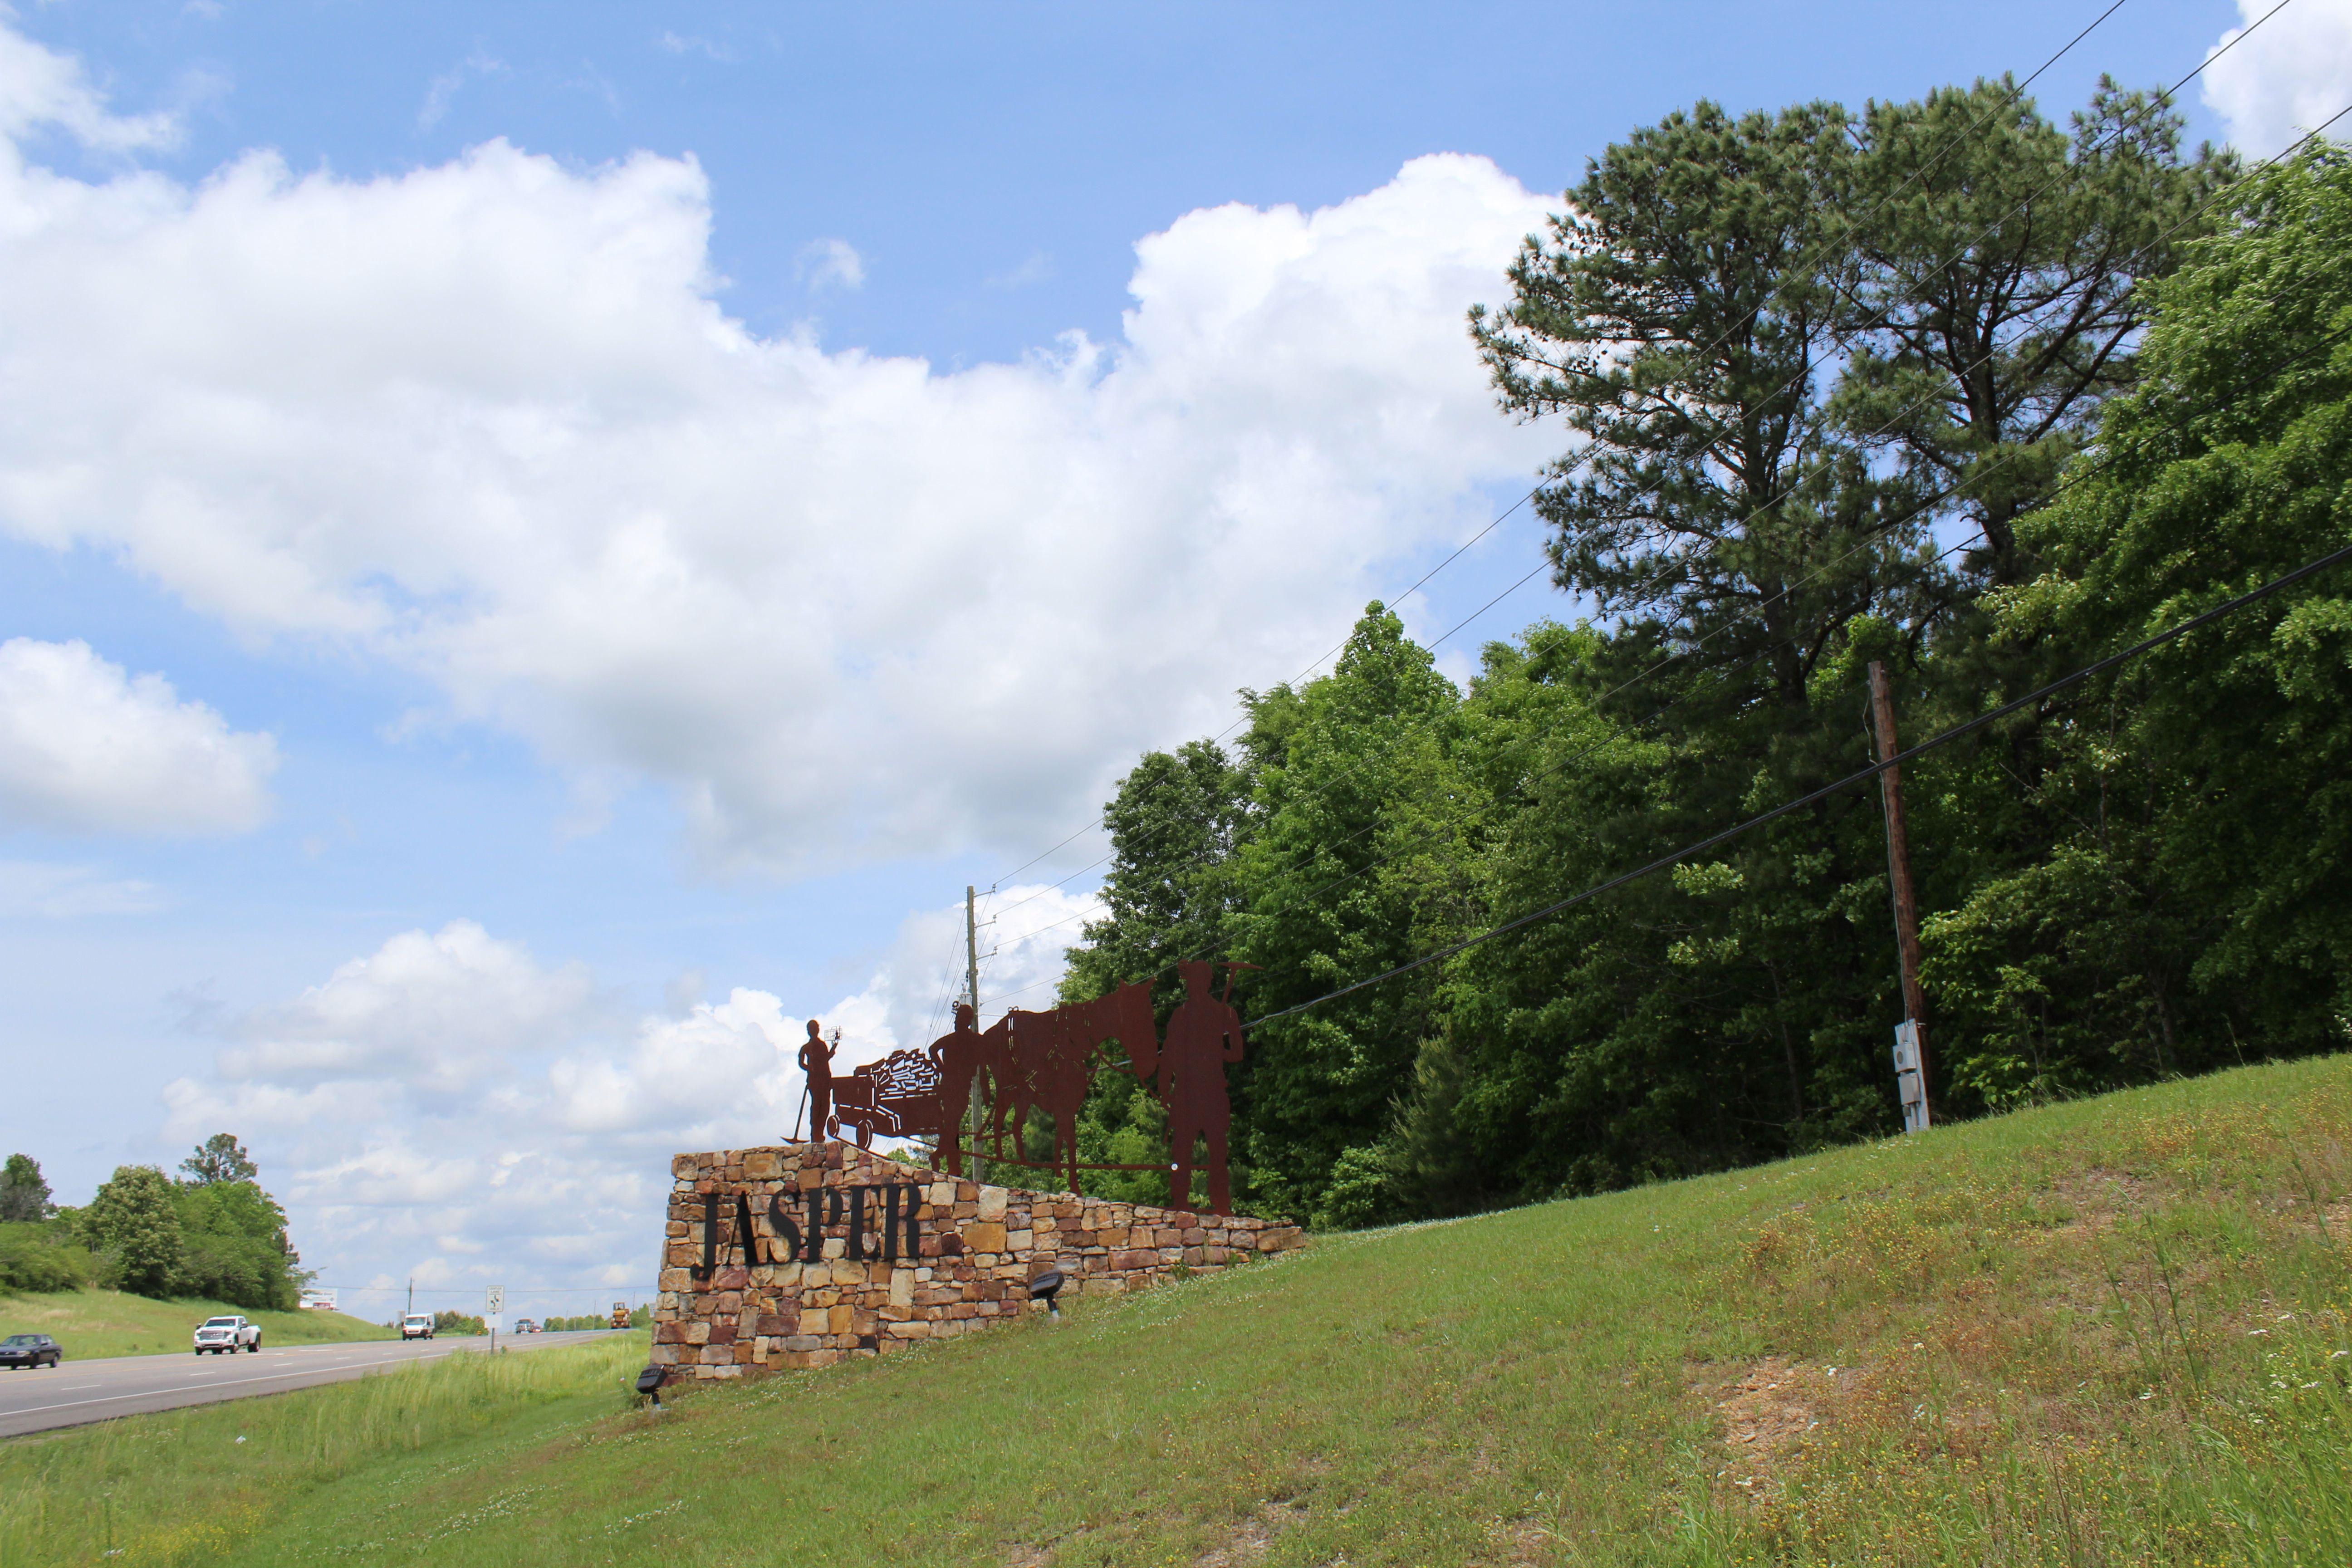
(80, 1391)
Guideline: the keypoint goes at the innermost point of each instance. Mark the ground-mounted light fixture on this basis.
(1045, 1287)
(650, 1382)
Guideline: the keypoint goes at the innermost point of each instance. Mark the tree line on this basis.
(1942, 384)
(212, 1233)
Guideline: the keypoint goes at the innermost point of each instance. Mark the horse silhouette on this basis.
(1047, 1061)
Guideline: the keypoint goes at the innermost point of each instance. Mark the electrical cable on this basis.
(1728, 677)
(1887, 425)
(1949, 490)
(478, 1290)
(1862, 776)
(1718, 342)
(2074, 479)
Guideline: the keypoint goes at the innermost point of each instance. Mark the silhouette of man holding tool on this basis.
(1204, 1032)
(816, 1064)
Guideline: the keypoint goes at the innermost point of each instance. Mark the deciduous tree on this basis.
(135, 1223)
(24, 1195)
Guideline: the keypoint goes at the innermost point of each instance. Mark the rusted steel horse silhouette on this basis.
(1046, 1061)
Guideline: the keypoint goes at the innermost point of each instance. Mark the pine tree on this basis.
(220, 1158)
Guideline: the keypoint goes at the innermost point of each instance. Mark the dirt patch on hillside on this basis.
(1770, 1412)
(1252, 1538)
(2095, 1200)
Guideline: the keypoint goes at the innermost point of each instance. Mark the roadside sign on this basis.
(497, 1301)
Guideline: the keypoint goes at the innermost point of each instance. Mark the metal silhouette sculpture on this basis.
(1049, 1059)
(1046, 1061)
(816, 1076)
(963, 1056)
(1204, 1032)
(907, 1094)
(898, 1097)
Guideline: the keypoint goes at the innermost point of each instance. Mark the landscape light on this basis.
(650, 1382)
(1045, 1288)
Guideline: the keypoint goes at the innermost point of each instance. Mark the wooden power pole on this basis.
(1911, 1038)
(972, 994)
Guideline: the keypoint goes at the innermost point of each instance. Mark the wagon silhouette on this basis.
(898, 1097)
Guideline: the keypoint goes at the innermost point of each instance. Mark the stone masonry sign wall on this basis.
(800, 1255)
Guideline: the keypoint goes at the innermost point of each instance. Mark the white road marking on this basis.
(208, 1378)
(142, 1394)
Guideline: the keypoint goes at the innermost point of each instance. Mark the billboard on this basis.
(319, 1300)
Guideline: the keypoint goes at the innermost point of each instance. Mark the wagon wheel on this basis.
(832, 1125)
(864, 1134)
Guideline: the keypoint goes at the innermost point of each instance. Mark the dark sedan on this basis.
(20, 1351)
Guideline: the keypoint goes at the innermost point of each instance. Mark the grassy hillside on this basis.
(2107, 1332)
(93, 1323)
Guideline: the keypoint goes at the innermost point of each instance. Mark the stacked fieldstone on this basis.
(728, 1301)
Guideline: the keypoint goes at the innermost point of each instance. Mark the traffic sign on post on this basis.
(498, 1300)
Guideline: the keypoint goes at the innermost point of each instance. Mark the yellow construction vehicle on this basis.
(620, 1314)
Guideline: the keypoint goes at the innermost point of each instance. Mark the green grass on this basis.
(94, 1323)
(2107, 1333)
(191, 1485)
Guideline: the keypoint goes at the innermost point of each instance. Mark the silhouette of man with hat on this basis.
(1203, 1033)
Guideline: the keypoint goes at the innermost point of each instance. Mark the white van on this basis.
(416, 1326)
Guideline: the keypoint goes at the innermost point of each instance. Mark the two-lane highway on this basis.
(79, 1390)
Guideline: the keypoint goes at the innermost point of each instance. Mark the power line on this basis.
(2072, 479)
(1564, 763)
(1508, 511)
(478, 1290)
(1950, 489)
(1229, 729)
(1946, 493)
(1863, 775)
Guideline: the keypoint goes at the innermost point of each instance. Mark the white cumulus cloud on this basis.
(486, 422)
(85, 747)
(2290, 75)
(435, 1012)
(833, 262)
(40, 88)
(725, 1070)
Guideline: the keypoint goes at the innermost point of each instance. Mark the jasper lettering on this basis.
(841, 1211)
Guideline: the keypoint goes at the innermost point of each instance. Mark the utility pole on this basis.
(972, 994)
(1911, 1037)
(412, 1296)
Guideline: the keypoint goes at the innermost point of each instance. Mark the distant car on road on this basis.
(228, 1335)
(416, 1326)
(525, 1326)
(18, 1351)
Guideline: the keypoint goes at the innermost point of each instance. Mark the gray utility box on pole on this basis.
(1907, 1075)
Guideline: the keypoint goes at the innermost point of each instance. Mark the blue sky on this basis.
(636, 506)
(994, 166)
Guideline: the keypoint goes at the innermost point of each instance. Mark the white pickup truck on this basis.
(226, 1336)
